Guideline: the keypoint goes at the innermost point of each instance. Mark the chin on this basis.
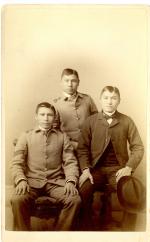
(108, 111)
(70, 92)
(46, 126)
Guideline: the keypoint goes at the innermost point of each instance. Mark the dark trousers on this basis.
(22, 206)
(104, 180)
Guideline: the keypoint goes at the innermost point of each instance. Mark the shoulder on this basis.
(62, 136)
(91, 120)
(29, 131)
(26, 133)
(56, 99)
(125, 118)
(84, 95)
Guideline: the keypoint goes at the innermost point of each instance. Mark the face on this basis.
(69, 84)
(109, 101)
(45, 117)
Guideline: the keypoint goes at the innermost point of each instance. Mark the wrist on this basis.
(129, 168)
(21, 181)
(73, 182)
(86, 169)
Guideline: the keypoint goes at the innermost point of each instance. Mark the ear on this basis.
(36, 116)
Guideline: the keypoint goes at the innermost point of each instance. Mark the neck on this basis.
(108, 113)
(69, 95)
(44, 129)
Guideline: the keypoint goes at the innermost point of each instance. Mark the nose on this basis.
(69, 83)
(109, 101)
(46, 117)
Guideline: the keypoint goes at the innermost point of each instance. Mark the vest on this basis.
(109, 157)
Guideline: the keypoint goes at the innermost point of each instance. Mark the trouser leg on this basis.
(70, 207)
(86, 192)
(21, 207)
(110, 186)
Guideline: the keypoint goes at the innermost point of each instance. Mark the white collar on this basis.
(46, 130)
(68, 95)
(109, 114)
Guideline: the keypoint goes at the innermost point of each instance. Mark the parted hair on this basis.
(46, 105)
(69, 71)
(110, 89)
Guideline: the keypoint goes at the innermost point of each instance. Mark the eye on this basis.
(74, 80)
(114, 98)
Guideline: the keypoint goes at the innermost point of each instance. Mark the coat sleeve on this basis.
(18, 163)
(135, 146)
(56, 122)
(84, 146)
(70, 163)
(93, 108)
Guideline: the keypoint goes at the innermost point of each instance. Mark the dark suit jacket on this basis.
(95, 137)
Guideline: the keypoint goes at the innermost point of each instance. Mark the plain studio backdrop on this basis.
(107, 45)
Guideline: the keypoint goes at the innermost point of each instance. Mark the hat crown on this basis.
(131, 193)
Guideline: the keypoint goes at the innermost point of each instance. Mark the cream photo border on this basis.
(102, 76)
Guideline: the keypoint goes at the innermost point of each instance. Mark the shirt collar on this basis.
(66, 95)
(101, 115)
(39, 129)
(109, 114)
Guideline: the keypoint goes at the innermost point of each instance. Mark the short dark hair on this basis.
(110, 89)
(69, 71)
(46, 105)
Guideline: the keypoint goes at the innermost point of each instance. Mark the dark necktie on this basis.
(108, 116)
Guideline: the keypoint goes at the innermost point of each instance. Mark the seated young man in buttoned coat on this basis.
(44, 164)
(73, 107)
(103, 149)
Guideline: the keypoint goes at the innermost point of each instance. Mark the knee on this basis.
(74, 201)
(17, 200)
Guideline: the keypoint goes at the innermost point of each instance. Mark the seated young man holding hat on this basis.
(103, 153)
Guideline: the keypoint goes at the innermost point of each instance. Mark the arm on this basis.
(70, 166)
(135, 146)
(56, 122)
(83, 153)
(136, 151)
(93, 108)
(84, 146)
(19, 160)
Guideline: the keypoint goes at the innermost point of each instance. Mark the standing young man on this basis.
(73, 107)
(44, 164)
(103, 152)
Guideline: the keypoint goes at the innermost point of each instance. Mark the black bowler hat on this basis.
(131, 194)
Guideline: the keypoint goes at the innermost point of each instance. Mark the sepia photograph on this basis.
(75, 122)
